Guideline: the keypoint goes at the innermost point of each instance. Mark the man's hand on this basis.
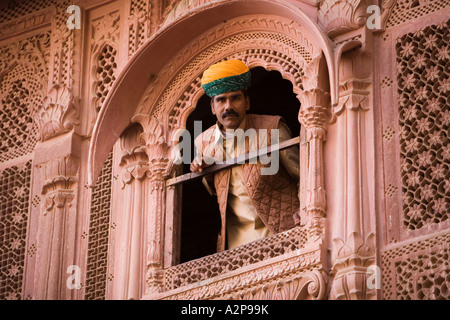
(198, 164)
(300, 218)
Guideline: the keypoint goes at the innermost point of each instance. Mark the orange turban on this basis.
(226, 76)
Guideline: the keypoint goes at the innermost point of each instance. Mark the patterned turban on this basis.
(226, 76)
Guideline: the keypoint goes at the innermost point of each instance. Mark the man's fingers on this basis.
(198, 164)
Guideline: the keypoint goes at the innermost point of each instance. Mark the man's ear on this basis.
(212, 106)
(248, 103)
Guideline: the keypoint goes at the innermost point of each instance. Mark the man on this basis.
(252, 205)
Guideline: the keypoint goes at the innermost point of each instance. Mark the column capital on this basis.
(353, 95)
(134, 163)
(157, 148)
(59, 174)
(314, 110)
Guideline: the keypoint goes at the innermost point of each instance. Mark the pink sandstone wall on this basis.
(87, 117)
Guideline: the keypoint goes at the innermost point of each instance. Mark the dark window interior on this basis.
(269, 94)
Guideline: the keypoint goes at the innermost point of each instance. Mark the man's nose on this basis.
(227, 104)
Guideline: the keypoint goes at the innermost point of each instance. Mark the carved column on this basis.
(57, 161)
(129, 279)
(353, 238)
(313, 116)
(57, 229)
(158, 152)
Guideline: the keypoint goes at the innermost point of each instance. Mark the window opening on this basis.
(269, 94)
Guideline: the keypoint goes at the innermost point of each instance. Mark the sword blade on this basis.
(233, 162)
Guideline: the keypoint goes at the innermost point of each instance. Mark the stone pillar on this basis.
(353, 238)
(57, 161)
(130, 256)
(158, 152)
(57, 229)
(313, 116)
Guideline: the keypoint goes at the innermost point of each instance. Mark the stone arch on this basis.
(268, 41)
(175, 47)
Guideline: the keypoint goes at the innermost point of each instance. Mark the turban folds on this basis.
(226, 76)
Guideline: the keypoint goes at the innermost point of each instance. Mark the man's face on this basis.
(230, 108)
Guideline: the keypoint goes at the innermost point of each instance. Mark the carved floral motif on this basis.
(340, 16)
(57, 115)
(351, 259)
(135, 164)
(156, 147)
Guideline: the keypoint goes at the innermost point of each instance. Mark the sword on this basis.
(233, 162)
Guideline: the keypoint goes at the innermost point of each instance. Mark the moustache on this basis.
(229, 113)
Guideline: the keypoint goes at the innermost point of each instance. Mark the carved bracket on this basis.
(340, 16)
(135, 164)
(57, 115)
(156, 147)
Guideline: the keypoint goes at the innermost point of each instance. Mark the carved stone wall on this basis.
(14, 199)
(419, 270)
(414, 136)
(54, 82)
(99, 228)
(407, 10)
(423, 89)
(24, 66)
(23, 74)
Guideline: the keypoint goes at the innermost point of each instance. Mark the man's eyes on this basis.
(232, 98)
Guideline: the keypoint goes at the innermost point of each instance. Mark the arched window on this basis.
(269, 94)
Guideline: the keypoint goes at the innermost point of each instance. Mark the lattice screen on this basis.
(96, 275)
(420, 267)
(407, 10)
(19, 92)
(418, 271)
(105, 74)
(423, 81)
(20, 8)
(14, 199)
(137, 32)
